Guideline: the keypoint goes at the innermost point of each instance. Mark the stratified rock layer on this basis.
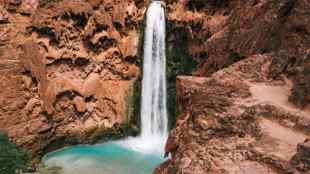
(68, 70)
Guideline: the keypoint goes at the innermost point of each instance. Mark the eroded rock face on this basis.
(302, 158)
(68, 69)
(220, 32)
(246, 117)
(226, 30)
(238, 120)
(296, 66)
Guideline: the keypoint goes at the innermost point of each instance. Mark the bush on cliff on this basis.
(12, 158)
(179, 62)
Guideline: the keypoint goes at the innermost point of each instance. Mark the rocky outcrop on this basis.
(243, 117)
(68, 70)
(218, 33)
(246, 117)
(238, 120)
(296, 67)
(302, 158)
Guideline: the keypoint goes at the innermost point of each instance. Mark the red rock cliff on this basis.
(68, 69)
(246, 117)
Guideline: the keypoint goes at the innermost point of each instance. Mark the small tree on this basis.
(12, 158)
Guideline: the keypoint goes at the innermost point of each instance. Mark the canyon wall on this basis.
(245, 107)
(68, 70)
(70, 73)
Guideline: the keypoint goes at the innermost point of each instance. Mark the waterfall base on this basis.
(108, 158)
(142, 154)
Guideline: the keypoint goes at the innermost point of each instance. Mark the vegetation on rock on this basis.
(12, 158)
(178, 63)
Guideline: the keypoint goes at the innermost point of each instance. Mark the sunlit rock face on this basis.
(68, 69)
(250, 101)
(238, 120)
(217, 29)
(219, 33)
(131, 155)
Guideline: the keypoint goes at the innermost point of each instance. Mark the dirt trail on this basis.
(276, 95)
(278, 140)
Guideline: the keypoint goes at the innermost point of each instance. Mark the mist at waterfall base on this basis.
(133, 155)
(108, 158)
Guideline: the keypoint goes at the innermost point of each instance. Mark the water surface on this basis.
(109, 158)
(133, 155)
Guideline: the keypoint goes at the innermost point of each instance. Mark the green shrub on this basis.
(178, 63)
(12, 158)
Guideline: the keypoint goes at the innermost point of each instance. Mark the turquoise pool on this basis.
(109, 158)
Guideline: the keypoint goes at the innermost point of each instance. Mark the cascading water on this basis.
(133, 155)
(154, 119)
(154, 122)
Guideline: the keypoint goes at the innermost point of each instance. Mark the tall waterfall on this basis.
(134, 154)
(154, 121)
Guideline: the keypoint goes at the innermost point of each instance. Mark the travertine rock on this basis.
(80, 104)
(302, 158)
(67, 71)
(238, 120)
(219, 33)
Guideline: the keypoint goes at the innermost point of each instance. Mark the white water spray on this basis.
(110, 157)
(154, 119)
(154, 122)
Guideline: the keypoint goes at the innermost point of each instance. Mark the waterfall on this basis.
(154, 118)
(154, 121)
(134, 154)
